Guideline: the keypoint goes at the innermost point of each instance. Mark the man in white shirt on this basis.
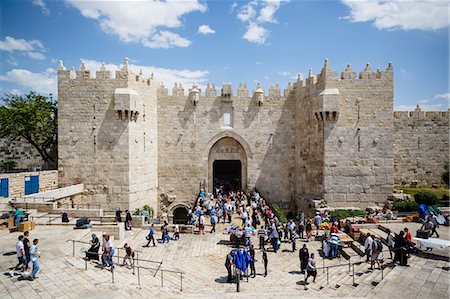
(109, 252)
(20, 253)
(368, 246)
(390, 241)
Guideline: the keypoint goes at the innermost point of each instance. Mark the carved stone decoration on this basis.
(258, 95)
(194, 95)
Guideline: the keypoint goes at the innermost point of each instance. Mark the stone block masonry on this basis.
(421, 147)
(48, 180)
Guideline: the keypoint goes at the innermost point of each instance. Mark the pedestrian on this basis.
(400, 250)
(301, 229)
(368, 246)
(311, 269)
(229, 212)
(308, 230)
(274, 236)
(377, 248)
(262, 235)
(252, 263)
(176, 232)
(317, 222)
(248, 234)
(92, 253)
(265, 262)
(35, 255)
(213, 221)
(151, 236)
(303, 256)
(293, 241)
(118, 215)
(201, 224)
(228, 264)
(435, 224)
(26, 247)
(108, 253)
(334, 244)
(165, 233)
(20, 253)
(128, 220)
(129, 254)
(390, 241)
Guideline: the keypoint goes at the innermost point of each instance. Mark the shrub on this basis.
(406, 206)
(9, 165)
(347, 213)
(426, 198)
(280, 213)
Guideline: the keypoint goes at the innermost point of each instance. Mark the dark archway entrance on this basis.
(180, 215)
(227, 175)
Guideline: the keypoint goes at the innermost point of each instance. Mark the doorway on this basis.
(227, 175)
(180, 216)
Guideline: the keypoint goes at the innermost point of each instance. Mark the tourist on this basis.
(64, 217)
(301, 228)
(265, 262)
(244, 216)
(317, 223)
(92, 253)
(165, 232)
(390, 240)
(347, 226)
(26, 247)
(435, 225)
(303, 255)
(129, 254)
(229, 264)
(400, 249)
(229, 212)
(255, 219)
(20, 253)
(118, 215)
(311, 269)
(428, 226)
(377, 248)
(108, 253)
(368, 246)
(201, 224)
(151, 236)
(252, 263)
(248, 234)
(213, 220)
(308, 228)
(334, 244)
(35, 254)
(176, 233)
(274, 237)
(262, 235)
(18, 217)
(128, 220)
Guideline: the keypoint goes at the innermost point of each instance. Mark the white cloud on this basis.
(44, 82)
(141, 21)
(284, 73)
(395, 14)
(256, 34)
(166, 39)
(169, 76)
(32, 48)
(41, 4)
(444, 96)
(256, 13)
(233, 6)
(15, 92)
(205, 29)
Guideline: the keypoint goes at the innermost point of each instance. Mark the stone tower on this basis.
(107, 136)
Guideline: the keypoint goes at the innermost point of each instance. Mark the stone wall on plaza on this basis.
(421, 147)
(48, 180)
(23, 153)
(194, 129)
(345, 155)
(107, 136)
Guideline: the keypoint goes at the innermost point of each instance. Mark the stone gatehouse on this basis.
(326, 138)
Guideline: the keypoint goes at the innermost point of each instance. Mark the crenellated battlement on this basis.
(419, 114)
(102, 74)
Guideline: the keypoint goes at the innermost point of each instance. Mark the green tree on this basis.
(33, 118)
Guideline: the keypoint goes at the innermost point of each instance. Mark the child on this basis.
(129, 254)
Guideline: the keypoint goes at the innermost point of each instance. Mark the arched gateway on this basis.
(227, 165)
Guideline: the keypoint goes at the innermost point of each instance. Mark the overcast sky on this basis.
(224, 41)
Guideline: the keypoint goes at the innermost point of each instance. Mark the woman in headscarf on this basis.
(92, 253)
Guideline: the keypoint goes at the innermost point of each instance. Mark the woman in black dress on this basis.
(92, 253)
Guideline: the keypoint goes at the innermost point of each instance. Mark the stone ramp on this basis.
(56, 194)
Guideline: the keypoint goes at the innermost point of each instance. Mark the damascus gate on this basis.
(328, 139)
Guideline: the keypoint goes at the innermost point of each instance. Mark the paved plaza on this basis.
(201, 258)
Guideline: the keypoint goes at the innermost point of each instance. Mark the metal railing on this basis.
(134, 264)
(351, 268)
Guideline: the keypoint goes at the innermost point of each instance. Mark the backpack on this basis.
(377, 246)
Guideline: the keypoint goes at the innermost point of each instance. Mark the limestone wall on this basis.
(421, 147)
(19, 151)
(187, 132)
(101, 126)
(48, 180)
